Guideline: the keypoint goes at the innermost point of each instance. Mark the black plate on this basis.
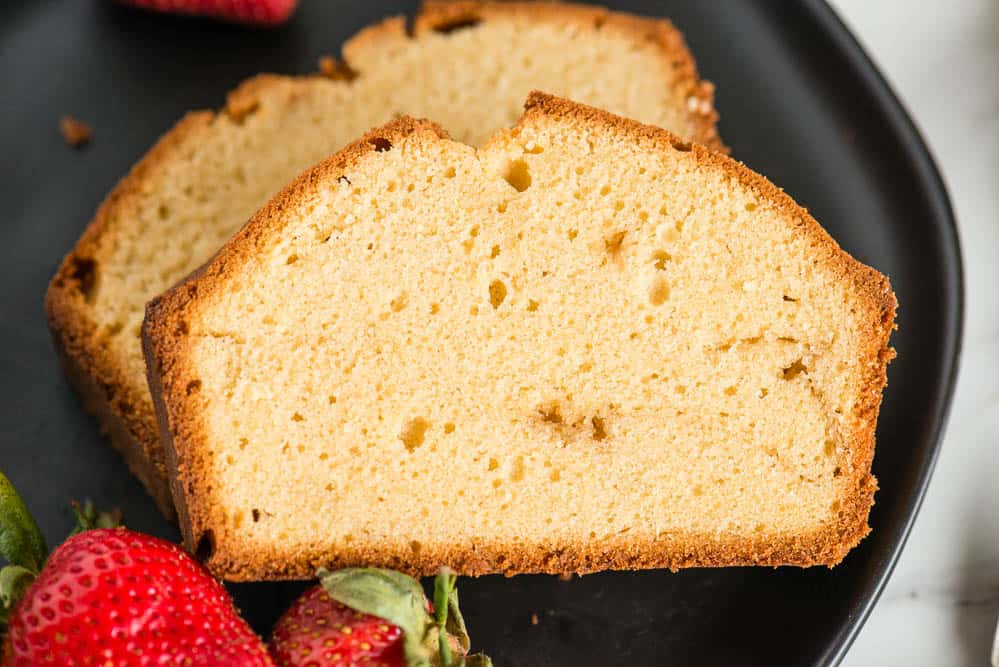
(800, 102)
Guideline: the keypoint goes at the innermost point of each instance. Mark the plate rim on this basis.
(899, 124)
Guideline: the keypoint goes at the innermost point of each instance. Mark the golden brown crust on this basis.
(693, 94)
(171, 380)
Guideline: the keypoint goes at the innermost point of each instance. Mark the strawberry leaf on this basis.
(87, 518)
(14, 580)
(21, 542)
(388, 594)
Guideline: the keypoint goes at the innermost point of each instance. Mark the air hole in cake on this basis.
(659, 259)
(789, 298)
(414, 432)
(551, 414)
(599, 428)
(435, 308)
(751, 206)
(415, 547)
(205, 548)
(682, 146)
(573, 233)
(533, 148)
(449, 428)
(658, 291)
(450, 172)
(518, 175)
(493, 464)
(517, 469)
(83, 271)
(381, 144)
(192, 387)
(163, 211)
(532, 305)
(297, 418)
(794, 370)
(763, 392)
(399, 302)
(837, 472)
(618, 205)
(555, 475)
(613, 244)
(605, 190)
(461, 23)
(494, 253)
(730, 391)
(256, 515)
(497, 293)
(830, 448)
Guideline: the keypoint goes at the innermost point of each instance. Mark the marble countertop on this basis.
(942, 602)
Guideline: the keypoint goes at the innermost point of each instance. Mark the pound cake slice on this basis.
(468, 65)
(588, 345)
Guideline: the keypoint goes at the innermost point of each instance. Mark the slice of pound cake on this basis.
(588, 345)
(467, 65)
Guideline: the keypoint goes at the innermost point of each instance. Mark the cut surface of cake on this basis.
(588, 345)
(467, 65)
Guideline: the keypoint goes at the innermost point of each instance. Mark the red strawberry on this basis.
(317, 629)
(111, 596)
(376, 618)
(257, 12)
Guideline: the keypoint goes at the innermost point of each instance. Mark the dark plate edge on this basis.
(917, 153)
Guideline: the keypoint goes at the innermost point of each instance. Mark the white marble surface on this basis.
(941, 604)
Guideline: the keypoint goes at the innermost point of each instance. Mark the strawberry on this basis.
(327, 632)
(256, 12)
(376, 618)
(112, 596)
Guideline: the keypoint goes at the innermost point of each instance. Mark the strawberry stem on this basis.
(443, 588)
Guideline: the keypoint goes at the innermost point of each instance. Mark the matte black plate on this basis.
(800, 102)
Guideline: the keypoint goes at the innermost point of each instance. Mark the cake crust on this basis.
(171, 378)
(121, 405)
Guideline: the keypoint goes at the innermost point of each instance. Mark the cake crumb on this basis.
(74, 131)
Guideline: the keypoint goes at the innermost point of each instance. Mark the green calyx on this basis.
(21, 542)
(21, 545)
(87, 518)
(428, 640)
